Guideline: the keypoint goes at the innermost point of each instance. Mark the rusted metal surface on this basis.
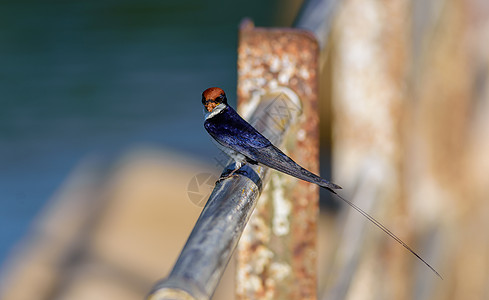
(277, 253)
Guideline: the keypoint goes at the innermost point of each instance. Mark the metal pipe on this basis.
(316, 16)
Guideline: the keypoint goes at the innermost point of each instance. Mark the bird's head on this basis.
(212, 97)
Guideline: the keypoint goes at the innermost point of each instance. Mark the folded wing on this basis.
(232, 131)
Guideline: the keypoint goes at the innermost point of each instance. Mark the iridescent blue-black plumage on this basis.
(229, 129)
(233, 132)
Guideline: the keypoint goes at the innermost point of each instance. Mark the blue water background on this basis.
(96, 77)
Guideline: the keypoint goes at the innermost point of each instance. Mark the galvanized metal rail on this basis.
(214, 238)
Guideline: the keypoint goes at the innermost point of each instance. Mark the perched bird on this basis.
(243, 143)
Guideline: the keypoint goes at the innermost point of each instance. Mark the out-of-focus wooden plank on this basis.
(369, 66)
(437, 144)
(450, 135)
(110, 236)
(39, 264)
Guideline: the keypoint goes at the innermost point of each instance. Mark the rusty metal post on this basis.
(277, 253)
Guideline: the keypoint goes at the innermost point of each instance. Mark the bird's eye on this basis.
(203, 100)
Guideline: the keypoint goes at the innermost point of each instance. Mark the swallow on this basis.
(244, 144)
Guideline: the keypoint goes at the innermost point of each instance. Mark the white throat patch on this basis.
(214, 112)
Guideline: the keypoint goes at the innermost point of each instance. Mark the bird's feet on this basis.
(230, 173)
(224, 176)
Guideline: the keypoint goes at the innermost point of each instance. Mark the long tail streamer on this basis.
(387, 231)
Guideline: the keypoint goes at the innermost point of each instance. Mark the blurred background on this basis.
(104, 162)
(84, 78)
